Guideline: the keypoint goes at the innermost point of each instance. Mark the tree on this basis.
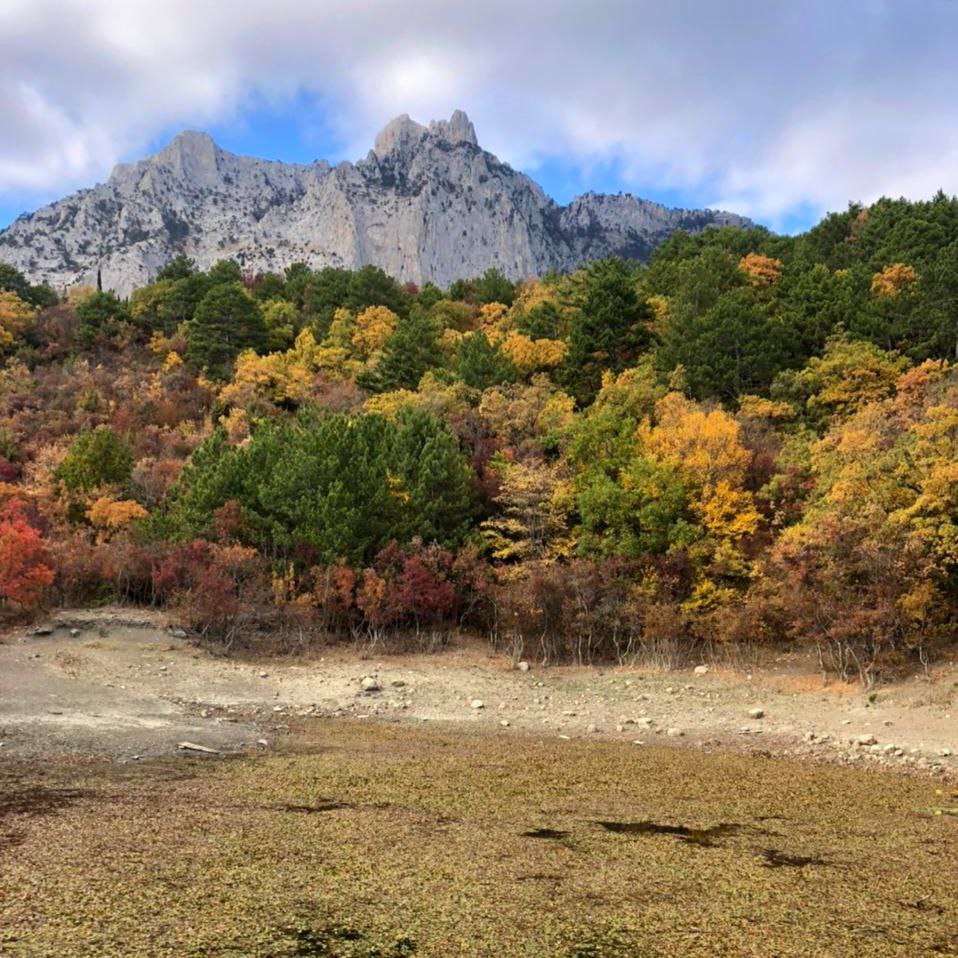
(374, 326)
(761, 270)
(370, 286)
(435, 476)
(532, 355)
(226, 322)
(282, 322)
(340, 486)
(493, 287)
(737, 346)
(26, 569)
(640, 510)
(15, 315)
(411, 350)
(869, 570)
(179, 267)
(166, 304)
(609, 331)
(98, 458)
(849, 375)
(13, 281)
(111, 514)
(893, 280)
(99, 314)
(480, 365)
(533, 509)
(225, 271)
(269, 286)
(542, 320)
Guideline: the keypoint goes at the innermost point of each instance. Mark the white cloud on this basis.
(760, 106)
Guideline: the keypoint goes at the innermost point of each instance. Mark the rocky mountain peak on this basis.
(457, 129)
(191, 154)
(427, 205)
(398, 136)
(402, 135)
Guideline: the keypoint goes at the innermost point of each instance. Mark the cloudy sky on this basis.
(780, 110)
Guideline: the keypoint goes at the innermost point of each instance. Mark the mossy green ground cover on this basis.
(375, 840)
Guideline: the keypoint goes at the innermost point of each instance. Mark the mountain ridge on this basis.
(427, 203)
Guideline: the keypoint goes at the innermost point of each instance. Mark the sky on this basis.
(778, 110)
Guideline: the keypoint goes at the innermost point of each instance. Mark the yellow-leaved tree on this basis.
(532, 355)
(373, 327)
(15, 315)
(893, 280)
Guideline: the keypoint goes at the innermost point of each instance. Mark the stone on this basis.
(674, 732)
(193, 747)
(74, 632)
(177, 632)
(504, 723)
(701, 670)
(756, 713)
(523, 666)
(477, 704)
(467, 212)
(370, 684)
(866, 740)
(592, 728)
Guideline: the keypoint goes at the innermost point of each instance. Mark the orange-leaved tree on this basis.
(25, 565)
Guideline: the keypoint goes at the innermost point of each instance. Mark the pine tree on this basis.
(226, 322)
(411, 350)
(480, 365)
(610, 330)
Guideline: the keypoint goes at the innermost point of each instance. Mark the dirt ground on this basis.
(359, 839)
(121, 683)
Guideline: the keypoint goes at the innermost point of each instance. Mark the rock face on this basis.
(426, 204)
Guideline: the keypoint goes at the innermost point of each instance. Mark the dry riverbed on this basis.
(452, 805)
(127, 686)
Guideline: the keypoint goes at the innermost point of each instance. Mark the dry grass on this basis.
(382, 841)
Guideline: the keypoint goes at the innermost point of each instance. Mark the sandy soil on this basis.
(120, 682)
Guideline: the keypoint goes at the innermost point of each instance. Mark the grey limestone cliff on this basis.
(426, 204)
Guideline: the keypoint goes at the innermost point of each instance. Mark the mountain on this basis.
(427, 203)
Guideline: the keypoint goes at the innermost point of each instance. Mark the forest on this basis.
(751, 441)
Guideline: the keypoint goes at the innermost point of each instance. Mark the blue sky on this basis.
(777, 110)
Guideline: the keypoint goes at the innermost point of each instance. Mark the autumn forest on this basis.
(750, 441)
